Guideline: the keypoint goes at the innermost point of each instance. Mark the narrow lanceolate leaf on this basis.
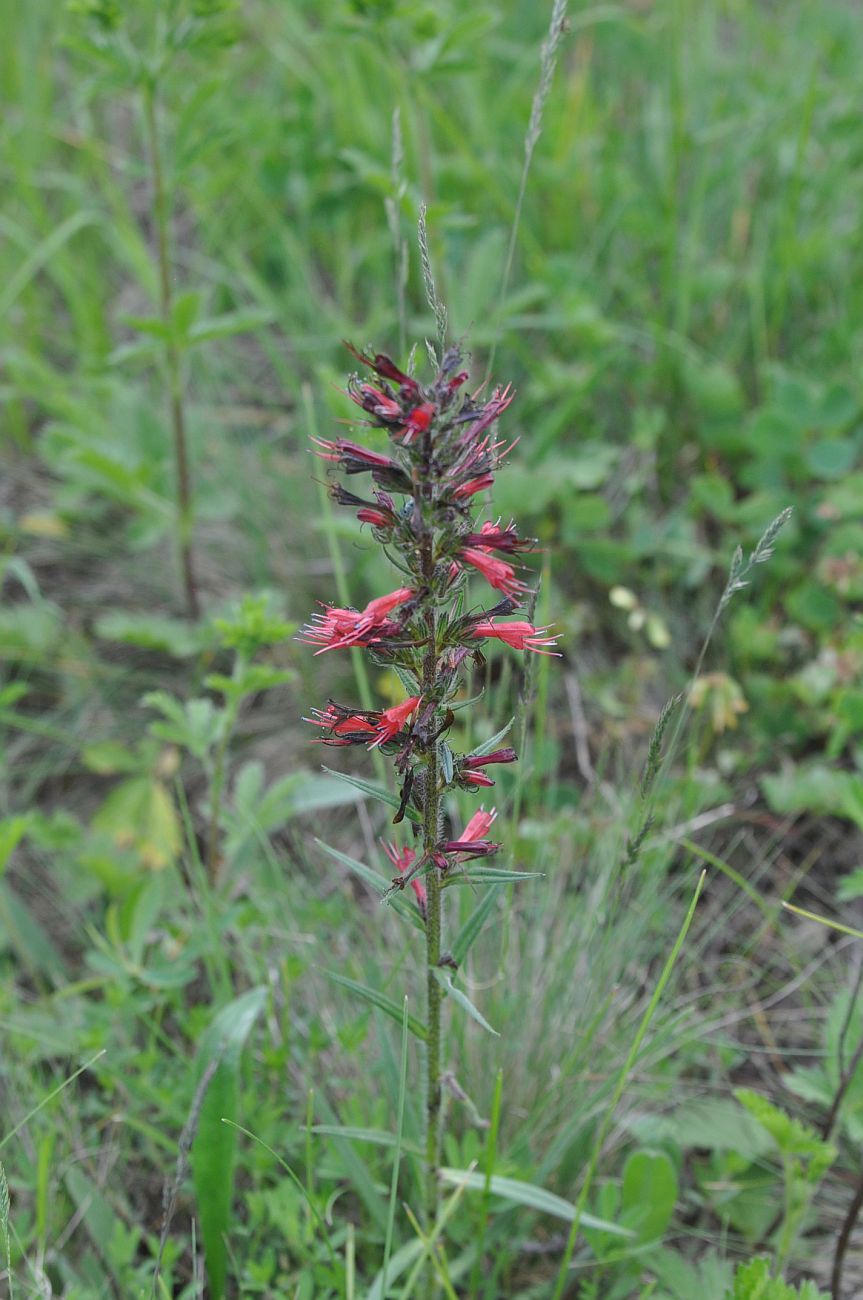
(380, 884)
(379, 1000)
(488, 745)
(214, 1147)
(470, 931)
(490, 876)
(376, 1136)
(374, 792)
(463, 1001)
(532, 1197)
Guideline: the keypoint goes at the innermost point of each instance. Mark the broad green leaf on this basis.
(379, 1000)
(463, 1001)
(21, 930)
(214, 1146)
(532, 1197)
(139, 814)
(109, 757)
(648, 1194)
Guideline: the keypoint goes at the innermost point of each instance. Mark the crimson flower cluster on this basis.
(442, 453)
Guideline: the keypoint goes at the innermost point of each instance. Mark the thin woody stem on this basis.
(173, 364)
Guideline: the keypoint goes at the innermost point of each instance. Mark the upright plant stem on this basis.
(431, 830)
(173, 364)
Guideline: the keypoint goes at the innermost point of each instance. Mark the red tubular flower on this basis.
(472, 486)
(386, 409)
(344, 728)
(419, 420)
(497, 572)
(496, 406)
(385, 367)
(495, 538)
(479, 824)
(521, 636)
(344, 453)
(472, 842)
(474, 761)
(377, 518)
(338, 628)
(476, 778)
(403, 860)
(391, 721)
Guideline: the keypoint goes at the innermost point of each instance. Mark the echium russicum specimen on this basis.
(421, 508)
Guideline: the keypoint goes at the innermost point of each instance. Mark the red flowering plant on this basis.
(443, 453)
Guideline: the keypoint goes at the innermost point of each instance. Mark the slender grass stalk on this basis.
(490, 1154)
(217, 785)
(4, 1227)
(173, 357)
(55, 1092)
(394, 1184)
(299, 1186)
(393, 210)
(622, 1080)
(548, 60)
(429, 1239)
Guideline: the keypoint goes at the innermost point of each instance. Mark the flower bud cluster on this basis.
(443, 452)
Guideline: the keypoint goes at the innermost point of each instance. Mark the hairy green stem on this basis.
(423, 499)
(434, 927)
(173, 361)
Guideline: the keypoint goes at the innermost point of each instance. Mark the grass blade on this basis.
(214, 1146)
(532, 1197)
(463, 1001)
(580, 1217)
(388, 1244)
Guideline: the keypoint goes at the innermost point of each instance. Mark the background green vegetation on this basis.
(683, 325)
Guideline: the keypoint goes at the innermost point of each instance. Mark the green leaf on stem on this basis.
(380, 884)
(374, 792)
(490, 876)
(470, 931)
(463, 1001)
(379, 1000)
